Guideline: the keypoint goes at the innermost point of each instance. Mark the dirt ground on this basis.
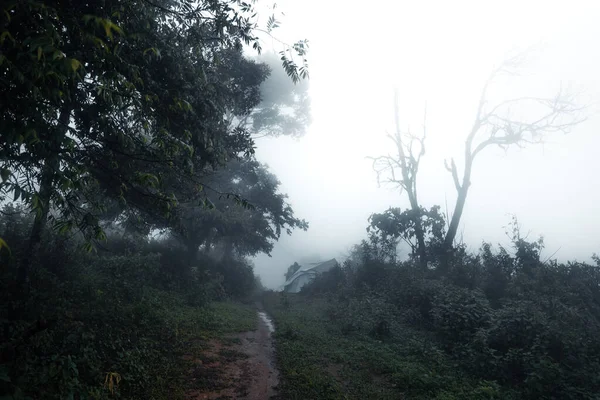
(239, 366)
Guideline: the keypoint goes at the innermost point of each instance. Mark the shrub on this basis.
(327, 282)
(458, 313)
(370, 315)
(530, 326)
(238, 277)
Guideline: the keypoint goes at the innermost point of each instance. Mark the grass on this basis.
(317, 360)
(215, 320)
(233, 317)
(193, 329)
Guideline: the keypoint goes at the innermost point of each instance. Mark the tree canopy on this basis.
(248, 230)
(128, 100)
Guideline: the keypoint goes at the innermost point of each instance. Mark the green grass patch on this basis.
(234, 317)
(317, 360)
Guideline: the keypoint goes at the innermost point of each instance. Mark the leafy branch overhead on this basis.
(125, 101)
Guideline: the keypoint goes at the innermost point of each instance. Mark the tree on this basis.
(243, 230)
(388, 228)
(284, 109)
(495, 125)
(104, 97)
(409, 150)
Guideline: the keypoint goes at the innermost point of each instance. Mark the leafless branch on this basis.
(551, 255)
(558, 114)
(496, 126)
(401, 169)
(452, 169)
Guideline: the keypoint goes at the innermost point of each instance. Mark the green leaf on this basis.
(88, 247)
(39, 53)
(63, 226)
(35, 201)
(3, 245)
(109, 27)
(4, 35)
(75, 64)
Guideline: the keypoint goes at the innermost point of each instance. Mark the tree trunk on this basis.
(459, 206)
(49, 170)
(410, 185)
(39, 223)
(422, 250)
(456, 216)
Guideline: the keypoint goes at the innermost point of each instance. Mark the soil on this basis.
(240, 366)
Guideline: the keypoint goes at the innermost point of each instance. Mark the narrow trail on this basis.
(240, 366)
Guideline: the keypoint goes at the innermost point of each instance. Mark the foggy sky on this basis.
(437, 54)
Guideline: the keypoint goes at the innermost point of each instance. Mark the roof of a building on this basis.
(312, 268)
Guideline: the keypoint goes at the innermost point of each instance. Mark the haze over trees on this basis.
(447, 322)
(132, 203)
(127, 165)
(503, 124)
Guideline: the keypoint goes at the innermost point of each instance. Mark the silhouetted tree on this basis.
(494, 125)
(409, 149)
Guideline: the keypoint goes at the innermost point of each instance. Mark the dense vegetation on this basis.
(130, 195)
(131, 201)
(501, 323)
(124, 314)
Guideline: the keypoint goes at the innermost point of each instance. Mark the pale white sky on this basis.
(437, 53)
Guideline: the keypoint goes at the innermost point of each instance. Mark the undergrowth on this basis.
(106, 325)
(319, 359)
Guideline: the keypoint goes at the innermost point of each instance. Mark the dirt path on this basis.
(239, 366)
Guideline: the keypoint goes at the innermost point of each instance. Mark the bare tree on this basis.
(409, 150)
(496, 126)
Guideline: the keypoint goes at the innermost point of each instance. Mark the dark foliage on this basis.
(126, 137)
(504, 316)
(121, 310)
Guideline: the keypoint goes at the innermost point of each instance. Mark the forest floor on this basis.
(233, 365)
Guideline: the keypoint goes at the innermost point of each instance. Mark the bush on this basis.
(328, 282)
(238, 277)
(511, 319)
(119, 310)
(458, 313)
(370, 315)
